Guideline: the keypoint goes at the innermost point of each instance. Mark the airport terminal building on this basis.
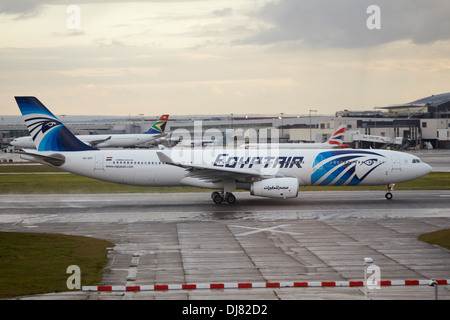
(423, 123)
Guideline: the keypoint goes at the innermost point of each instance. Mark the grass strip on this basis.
(440, 238)
(33, 263)
(70, 183)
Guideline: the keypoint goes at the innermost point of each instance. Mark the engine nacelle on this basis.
(275, 188)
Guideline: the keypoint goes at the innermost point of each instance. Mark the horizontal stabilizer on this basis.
(56, 159)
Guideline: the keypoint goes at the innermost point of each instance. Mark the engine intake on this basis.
(275, 188)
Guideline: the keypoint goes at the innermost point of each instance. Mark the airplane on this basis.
(155, 133)
(335, 141)
(266, 173)
(198, 143)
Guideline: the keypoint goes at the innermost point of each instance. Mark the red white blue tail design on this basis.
(337, 138)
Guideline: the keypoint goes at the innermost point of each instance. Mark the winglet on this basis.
(48, 133)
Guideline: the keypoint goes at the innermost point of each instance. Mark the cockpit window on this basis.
(417, 160)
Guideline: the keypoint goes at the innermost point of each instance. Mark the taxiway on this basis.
(164, 239)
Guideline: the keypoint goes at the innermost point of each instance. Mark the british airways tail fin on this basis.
(48, 133)
(159, 126)
(337, 138)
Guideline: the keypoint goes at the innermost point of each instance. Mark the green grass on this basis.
(70, 183)
(441, 238)
(10, 167)
(32, 263)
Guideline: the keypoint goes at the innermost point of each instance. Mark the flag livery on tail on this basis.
(338, 137)
(159, 126)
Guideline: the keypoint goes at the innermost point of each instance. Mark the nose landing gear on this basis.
(389, 188)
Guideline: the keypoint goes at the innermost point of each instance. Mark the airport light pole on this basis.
(310, 130)
(433, 283)
(232, 127)
(282, 114)
(142, 122)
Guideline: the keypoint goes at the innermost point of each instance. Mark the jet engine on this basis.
(275, 188)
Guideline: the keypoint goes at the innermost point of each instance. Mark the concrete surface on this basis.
(185, 238)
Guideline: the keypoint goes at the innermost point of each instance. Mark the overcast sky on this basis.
(222, 57)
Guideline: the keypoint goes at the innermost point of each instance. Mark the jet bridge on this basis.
(359, 140)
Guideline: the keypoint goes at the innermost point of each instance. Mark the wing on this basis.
(210, 173)
(93, 143)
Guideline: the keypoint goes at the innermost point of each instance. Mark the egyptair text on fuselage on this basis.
(223, 160)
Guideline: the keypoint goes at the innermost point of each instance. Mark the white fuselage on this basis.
(99, 141)
(323, 145)
(311, 167)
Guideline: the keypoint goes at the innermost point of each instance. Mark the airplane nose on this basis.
(424, 169)
(427, 168)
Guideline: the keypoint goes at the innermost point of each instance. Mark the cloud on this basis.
(30, 8)
(343, 23)
(226, 12)
(23, 9)
(18, 7)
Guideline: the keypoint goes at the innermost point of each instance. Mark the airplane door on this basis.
(396, 163)
(99, 163)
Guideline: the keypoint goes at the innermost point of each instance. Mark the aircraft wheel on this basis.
(388, 195)
(215, 193)
(231, 198)
(217, 198)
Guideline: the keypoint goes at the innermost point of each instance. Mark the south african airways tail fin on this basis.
(159, 126)
(48, 133)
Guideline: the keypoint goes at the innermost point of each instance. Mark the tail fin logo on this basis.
(44, 124)
(338, 136)
(48, 133)
(159, 126)
(50, 125)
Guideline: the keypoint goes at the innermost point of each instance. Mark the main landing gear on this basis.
(389, 188)
(225, 195)
(218, 198)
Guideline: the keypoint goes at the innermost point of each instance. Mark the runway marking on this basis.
(133, 269)
(271, 230)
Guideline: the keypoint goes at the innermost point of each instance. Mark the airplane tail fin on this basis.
(48, 133)
(337, 138)
(159, 126)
